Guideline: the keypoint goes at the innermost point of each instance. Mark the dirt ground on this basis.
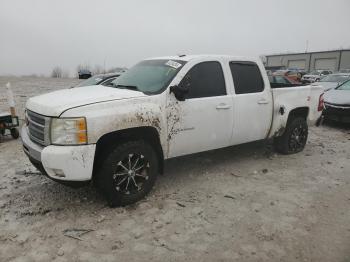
(243, 203)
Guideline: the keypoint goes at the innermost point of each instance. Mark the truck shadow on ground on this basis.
(214, 160)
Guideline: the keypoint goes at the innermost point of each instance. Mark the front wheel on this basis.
(294, 137)
(128, 173)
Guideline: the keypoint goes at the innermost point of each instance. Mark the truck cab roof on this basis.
(188, 58)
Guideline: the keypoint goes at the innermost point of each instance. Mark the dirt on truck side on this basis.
(242, 203)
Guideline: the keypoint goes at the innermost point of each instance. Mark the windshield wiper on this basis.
(127, 87)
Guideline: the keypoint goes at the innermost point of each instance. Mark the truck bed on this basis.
(294, 97)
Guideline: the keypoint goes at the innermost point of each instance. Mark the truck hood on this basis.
(55, 103)
(338, 97)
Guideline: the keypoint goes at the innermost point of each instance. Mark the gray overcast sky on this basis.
(36, 35)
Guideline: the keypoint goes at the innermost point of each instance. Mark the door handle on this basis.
(263, 102)
(223, 106)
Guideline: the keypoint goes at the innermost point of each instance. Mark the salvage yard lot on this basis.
(243, 203)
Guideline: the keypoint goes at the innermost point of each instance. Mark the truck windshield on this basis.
(149, 76)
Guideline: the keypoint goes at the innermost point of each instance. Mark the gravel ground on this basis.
(243, 203)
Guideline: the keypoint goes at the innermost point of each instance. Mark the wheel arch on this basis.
(108, 141)
(298, 112)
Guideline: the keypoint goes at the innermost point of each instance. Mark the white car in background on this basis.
(332, 81)
(315, 76)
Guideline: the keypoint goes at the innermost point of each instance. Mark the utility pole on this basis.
(307, 46)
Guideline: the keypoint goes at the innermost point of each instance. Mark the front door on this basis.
(204, 120)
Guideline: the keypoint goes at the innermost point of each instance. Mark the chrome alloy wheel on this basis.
(298, 138)
(131, 174)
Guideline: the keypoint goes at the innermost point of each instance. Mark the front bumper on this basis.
(64, 163)
(337, 113)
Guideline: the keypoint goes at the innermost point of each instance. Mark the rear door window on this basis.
(246, 77)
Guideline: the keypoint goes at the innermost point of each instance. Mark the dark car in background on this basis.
(84, 74)
(101, 79)
(337, 103)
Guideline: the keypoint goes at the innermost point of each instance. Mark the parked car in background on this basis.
(282, 81)
(315, 76)
(300, 71)
(337, 103)
(84, 74)
(292, 74)
(101, 79)
(333, 80)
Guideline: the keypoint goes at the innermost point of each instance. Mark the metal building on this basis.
(332, 60)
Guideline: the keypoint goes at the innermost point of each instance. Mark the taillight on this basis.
(320, 103)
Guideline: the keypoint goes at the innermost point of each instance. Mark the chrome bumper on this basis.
(29, 147)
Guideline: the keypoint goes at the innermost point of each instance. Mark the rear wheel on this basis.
(127, 173)
(294, 137)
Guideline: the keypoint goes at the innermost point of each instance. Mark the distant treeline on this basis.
(59, 72)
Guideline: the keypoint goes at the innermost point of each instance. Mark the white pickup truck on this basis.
(119, 136)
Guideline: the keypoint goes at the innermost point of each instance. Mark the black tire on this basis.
(294, 137)
(128, 173)
(14, 133)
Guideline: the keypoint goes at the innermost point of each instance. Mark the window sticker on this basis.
(173, 64)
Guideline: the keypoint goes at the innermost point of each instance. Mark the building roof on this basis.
(314, 52)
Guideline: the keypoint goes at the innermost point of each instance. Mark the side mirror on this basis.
(179, 92)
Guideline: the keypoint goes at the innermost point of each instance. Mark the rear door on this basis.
(204, 120)
(252, 103)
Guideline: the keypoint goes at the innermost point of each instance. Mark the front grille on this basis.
(37, 127)
(338, 112)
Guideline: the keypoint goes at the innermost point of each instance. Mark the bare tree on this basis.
(65, 74)
(57, 72)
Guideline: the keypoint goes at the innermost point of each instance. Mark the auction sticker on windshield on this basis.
(173, 64)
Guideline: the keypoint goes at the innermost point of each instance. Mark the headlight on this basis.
(68, 131)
